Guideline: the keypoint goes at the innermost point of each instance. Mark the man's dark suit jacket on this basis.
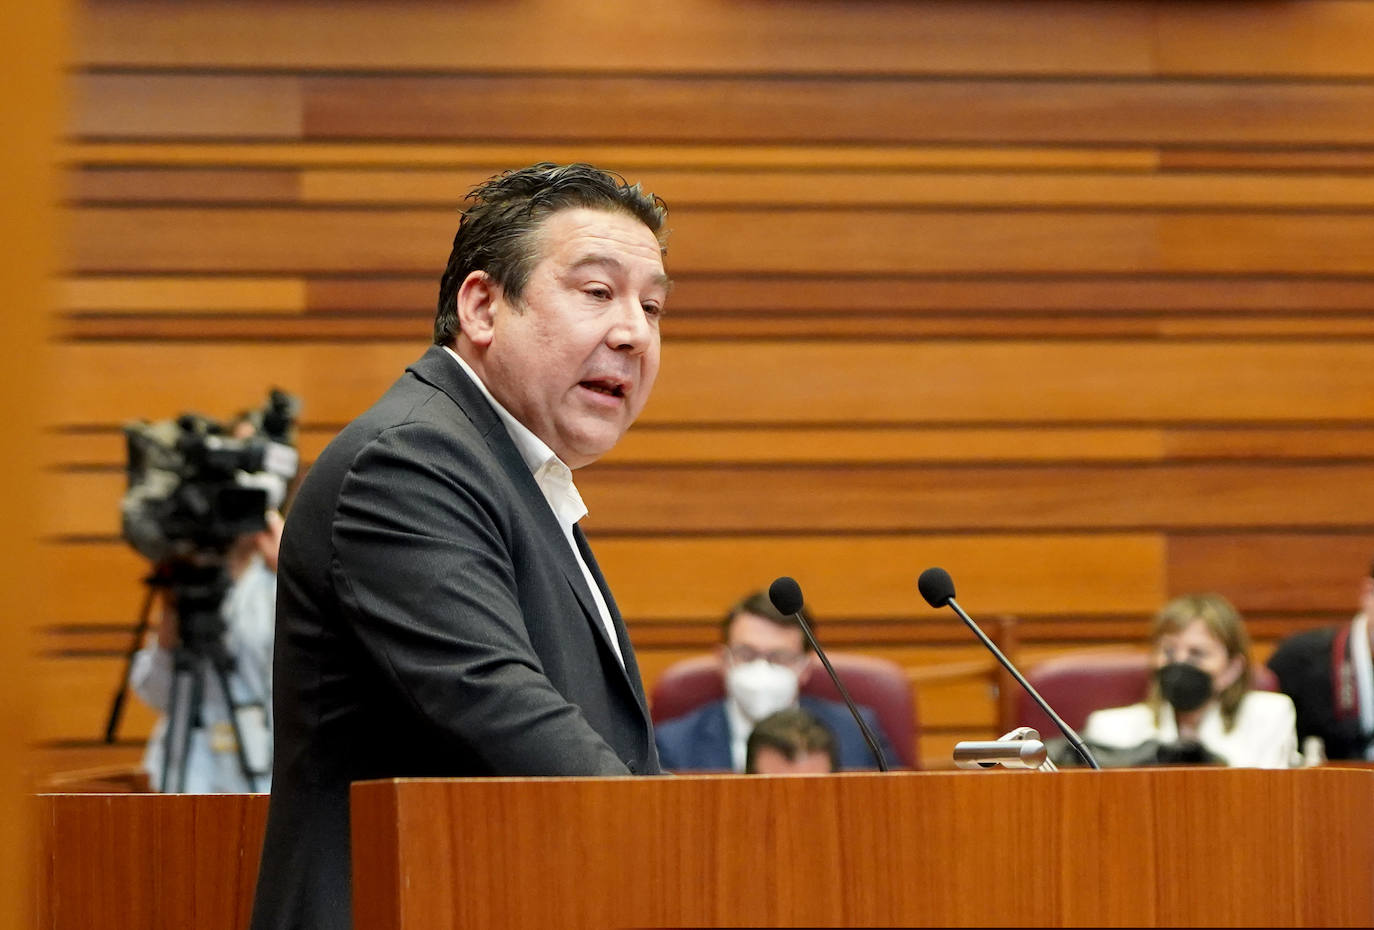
(700, 740)
(431, 621)
(1303, 664)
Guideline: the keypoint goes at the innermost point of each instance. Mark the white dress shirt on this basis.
(556, 483)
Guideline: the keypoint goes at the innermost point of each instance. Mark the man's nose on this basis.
(632, 329)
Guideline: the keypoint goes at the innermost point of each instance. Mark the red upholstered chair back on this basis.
(871, 681)
(1076, 684)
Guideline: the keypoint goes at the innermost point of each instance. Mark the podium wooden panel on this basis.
(147, 861)
(1158, 847)
(1145, 847)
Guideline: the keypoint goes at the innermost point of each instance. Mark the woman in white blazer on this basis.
(1201, 695)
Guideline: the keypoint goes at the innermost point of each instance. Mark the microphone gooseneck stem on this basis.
(1074, 739)
(844, 693)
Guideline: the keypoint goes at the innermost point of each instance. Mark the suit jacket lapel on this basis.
(437, 367)
(621, 634)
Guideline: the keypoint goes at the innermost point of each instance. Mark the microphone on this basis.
(937, 588)
(1011, 754)
(786, 596)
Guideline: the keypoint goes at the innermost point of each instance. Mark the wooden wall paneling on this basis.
(1309, 40)
(107, 240)
(184, 185)
(1327, 38)
(717, 187)
(672, 579)
(781, 109)
(486, 156)
(1313, 575)
(641, 500)
(1350, 161)
(786, 109)
(1071, 298)
(1040, 498)
(169, 294)
(985, 382)
(33, 47)
(696, 36)
(185, 106)
(76, 694)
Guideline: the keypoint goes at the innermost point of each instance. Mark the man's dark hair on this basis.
(497, 233)
(793, 732)
(759, 605)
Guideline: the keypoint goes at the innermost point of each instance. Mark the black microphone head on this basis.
(786, 596)
(936, 587)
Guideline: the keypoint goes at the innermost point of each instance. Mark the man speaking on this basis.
(439, 611)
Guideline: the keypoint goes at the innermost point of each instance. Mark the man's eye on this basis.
(600, 293)
(652, 309)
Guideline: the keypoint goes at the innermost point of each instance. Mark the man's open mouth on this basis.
(611, 388)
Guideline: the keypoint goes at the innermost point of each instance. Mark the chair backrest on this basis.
(873, 682)
(1076, 684)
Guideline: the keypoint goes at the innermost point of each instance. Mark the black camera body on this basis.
(194, 487)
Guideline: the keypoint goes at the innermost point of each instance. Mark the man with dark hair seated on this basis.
(767, 660)
(789, 742)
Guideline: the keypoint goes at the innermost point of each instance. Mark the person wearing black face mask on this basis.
(1201, 707)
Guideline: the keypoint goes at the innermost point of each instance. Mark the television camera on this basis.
(197, 486)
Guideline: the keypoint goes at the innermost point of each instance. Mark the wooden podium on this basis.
(1143, 847)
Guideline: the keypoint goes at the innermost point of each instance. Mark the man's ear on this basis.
(477, 298)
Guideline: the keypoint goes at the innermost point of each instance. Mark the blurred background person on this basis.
(1330, 677)
(767, 661)
(1201, 707)
(790, 741)
(205, 504)
(211, 764)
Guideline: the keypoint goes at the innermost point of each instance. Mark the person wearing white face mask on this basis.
(766, 661)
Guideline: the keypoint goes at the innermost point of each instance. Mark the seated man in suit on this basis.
(791, 742)
(1330, 677)
(767, 661)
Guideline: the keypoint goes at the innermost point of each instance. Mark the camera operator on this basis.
(248, 610)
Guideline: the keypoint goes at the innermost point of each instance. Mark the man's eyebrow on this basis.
(610, 261)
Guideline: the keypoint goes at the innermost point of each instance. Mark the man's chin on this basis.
(589, 445)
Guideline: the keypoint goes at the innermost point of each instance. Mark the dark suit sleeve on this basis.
(434, 563)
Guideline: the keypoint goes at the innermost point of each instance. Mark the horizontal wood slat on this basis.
(641, 499)
(1327, 37)
(692, 581)
(103, 448)
(107, 240)
(716, 109)
(696, 35)
(862, 588)
(802, 383)
(75, 697)
(485, 157)
(833, 187)
(355, 328)
(999, 297)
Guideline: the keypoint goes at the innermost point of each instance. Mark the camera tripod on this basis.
(198, 591)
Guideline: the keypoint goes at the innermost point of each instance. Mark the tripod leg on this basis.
(117, 704)
(192, 718)
(250, 778)
(181, 712)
